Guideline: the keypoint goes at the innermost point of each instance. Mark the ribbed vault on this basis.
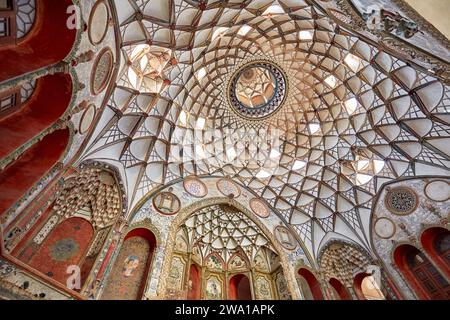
(353, 118)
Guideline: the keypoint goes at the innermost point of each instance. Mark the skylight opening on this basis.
(353, 62)
(244, 30)
(351, 105)
(331, 81)
(305, 35)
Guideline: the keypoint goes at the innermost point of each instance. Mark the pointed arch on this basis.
(20, 176)
(128, 277)
(313, 284)
(47, 104)
(420, 273)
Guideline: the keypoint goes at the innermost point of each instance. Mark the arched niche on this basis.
(91, 193)
(239, 265)
(172, 203)
(339, 261)
(340, 290)
(21, 175)
(313, 290)
(47, 104)
(239, 288)
(366, 288)
(128, 277)
(65, 246)
(420, 273)
(49, 41)
(436, 242)
(194, 283)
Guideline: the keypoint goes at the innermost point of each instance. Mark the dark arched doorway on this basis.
(239, 288)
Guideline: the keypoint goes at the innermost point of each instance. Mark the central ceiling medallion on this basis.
(257, 90)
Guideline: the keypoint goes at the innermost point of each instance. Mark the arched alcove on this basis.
(47, 104)
(49, 41)
(313, 284)
(436, 242)
(17, 178)
(90, 193)
(366, 287)
(239, 288)
(128, 276)
(228, 270)
(420, 273)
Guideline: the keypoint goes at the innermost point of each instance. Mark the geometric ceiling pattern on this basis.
(353, 117)
(225, 231)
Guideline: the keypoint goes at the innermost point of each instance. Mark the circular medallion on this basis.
(259, 208)
(257, 90)
(384, 228)
(64, 249)
(87, 119)
(227, 187)
(285, 238)
(438, 190)
(102, 70)
(195, 187)
(98, 22)
(166, 203)
(401, 200)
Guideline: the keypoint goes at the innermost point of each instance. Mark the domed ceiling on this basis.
(277, 96)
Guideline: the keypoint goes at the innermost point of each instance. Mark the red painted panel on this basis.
(49, 41)
(129, 273)
(30, 167)
(194, 292)
(66, 245)
(47, 104)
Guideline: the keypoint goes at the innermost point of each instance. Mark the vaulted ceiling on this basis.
(352, 117)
